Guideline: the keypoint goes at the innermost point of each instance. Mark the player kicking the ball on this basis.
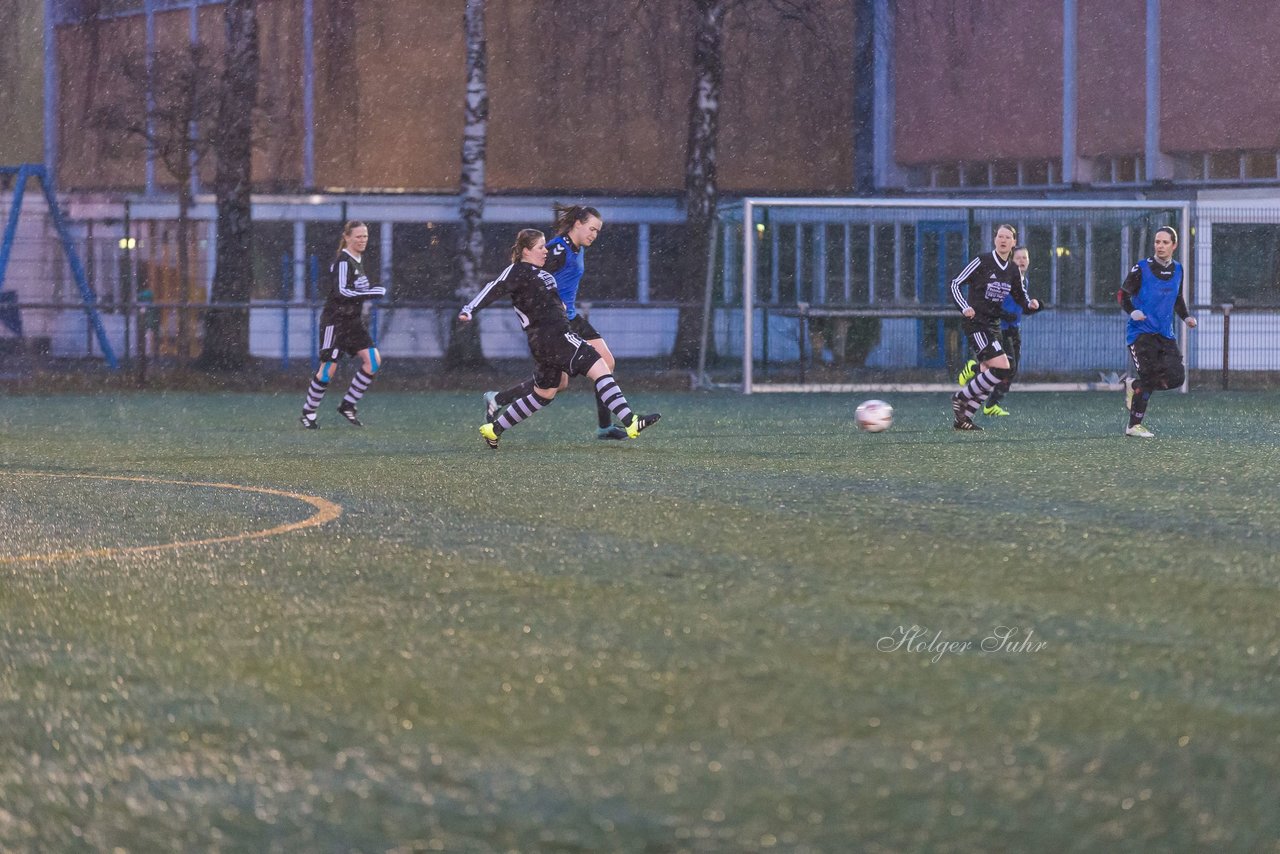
(558, 353)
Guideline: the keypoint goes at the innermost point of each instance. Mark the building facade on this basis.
(361, 114)
(584, 97)
(1098, 94)
(592, 98)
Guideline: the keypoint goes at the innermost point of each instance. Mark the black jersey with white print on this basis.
(984, 283)
(348, 287)
(533, 293)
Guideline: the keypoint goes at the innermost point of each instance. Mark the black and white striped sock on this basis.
(519, 410)
(977, 390)
(608, 393)
(315, 394)
(604, 418)
(359, 385)
(507, 397)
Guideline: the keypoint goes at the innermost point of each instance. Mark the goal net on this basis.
(854, 294)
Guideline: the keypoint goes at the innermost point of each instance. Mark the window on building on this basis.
(859, 263)
(1260, 165)
(1124, 170)
(1223, 166)
(975, 175)
(786, 262)
(664, 260)
(1035, 173)
(611, 265)
(1246, 264)
(272, 260)
(1108, 271)
(1068, 257)
(1005, 173)
(906, 272)
(946, 175)
(424, 261)
(1040, 246)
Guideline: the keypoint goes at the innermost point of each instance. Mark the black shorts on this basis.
(582, 327)
(1158, 360)
(984, 340)
(1011, 337)
(558, 352)
(340, 335)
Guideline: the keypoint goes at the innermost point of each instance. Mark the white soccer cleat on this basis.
(1139, 431)
(1128, 393)
(491, 407)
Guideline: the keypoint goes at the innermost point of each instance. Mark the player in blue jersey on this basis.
(1152, 296)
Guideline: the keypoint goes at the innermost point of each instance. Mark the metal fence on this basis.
(854, 294)
(836, 298)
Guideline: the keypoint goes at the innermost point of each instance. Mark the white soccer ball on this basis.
(873, 416)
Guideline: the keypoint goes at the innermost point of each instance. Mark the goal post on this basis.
(853, 294)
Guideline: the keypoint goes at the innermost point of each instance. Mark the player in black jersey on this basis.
(577, 227)
(558, 353)
(342, 328)
(979, 292)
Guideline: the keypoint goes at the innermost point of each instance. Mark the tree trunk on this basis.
(183, 177)
(700, 189)
(226, 330)
(464, 341)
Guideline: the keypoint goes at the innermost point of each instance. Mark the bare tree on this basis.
(701, 192)
(178, 128)
(226, 336)
(464, 341)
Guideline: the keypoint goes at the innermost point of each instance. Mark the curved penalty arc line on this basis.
(326, 511)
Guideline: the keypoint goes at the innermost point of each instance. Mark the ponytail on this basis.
(568, 215)
(527, 238)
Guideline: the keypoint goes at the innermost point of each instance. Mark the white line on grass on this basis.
(326, 511)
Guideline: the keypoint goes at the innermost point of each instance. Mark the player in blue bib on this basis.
(1152, 297)
(577, 227)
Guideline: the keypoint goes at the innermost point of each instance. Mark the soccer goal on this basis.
(853, 294)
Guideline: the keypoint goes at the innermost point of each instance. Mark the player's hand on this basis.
(1034, 305)
(968, 312)
(1191, 322)
(1137, 314)
(463, 317)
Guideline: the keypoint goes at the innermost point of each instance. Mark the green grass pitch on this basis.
(687, 642)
